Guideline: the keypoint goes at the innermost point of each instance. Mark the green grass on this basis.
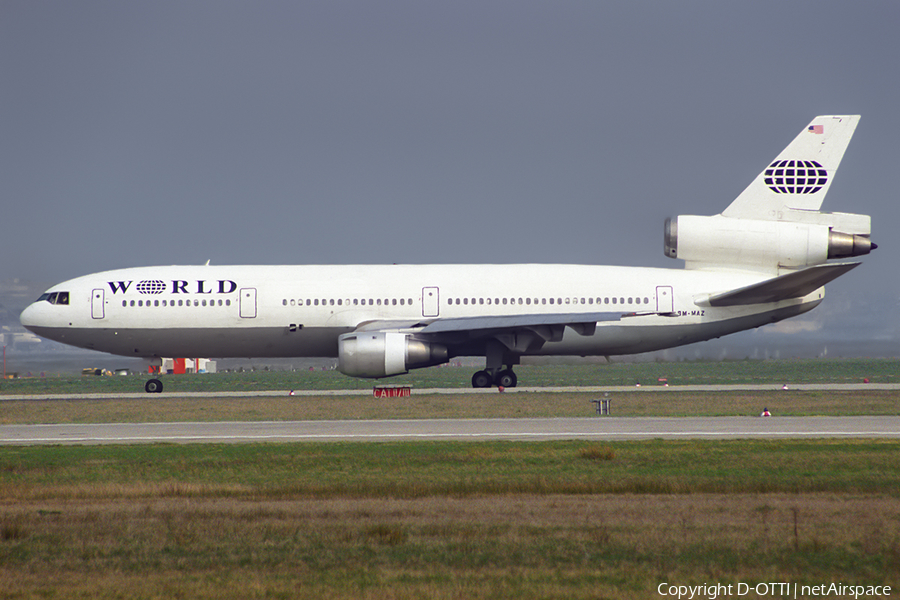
(444, 520)
(457, 469)
(683, 373)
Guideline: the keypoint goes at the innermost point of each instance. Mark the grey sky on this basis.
(337, 132)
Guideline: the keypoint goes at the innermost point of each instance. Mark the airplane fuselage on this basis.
(287, 311)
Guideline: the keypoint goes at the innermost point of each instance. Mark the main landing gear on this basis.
(153, 386)
(505, 378)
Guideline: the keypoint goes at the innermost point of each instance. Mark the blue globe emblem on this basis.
(151, 286)
(796, 177)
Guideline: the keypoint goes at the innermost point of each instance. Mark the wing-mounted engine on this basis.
(801, 239)
(384, 353)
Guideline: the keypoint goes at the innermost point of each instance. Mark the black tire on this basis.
(507, 379)
(482, 379)
(153, 386)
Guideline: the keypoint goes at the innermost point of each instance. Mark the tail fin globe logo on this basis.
(796, 177)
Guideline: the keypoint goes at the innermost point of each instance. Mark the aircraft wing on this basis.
(783, 287)
(484, 323)
(517, 332)
(574, 320)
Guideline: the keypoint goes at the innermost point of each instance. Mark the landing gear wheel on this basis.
(153, 386)
(482, 379)
(507, 379)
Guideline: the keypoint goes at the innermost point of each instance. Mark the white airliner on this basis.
(764, 259)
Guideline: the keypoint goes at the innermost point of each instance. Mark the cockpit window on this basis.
(55, 297)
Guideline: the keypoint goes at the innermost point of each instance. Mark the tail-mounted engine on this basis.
(384, 353)
(768, 246)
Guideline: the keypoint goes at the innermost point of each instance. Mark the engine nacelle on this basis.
(757, 244)
(384, 353)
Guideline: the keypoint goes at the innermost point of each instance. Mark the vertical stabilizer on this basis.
(800, 176)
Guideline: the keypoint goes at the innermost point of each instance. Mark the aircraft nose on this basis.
(30, 317)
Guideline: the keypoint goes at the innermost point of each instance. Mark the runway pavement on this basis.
(596, 428)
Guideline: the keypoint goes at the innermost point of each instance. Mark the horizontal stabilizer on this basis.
(784, 287)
